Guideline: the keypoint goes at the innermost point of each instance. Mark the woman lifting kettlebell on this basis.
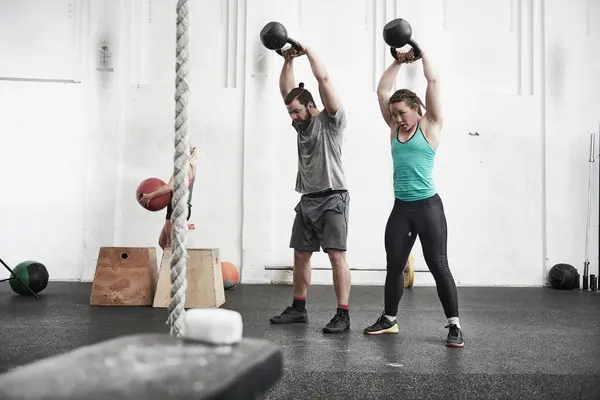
(418, 209)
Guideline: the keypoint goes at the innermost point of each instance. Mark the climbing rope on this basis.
(180, 188)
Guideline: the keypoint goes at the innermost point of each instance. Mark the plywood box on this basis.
(204, 280)
(125, 276)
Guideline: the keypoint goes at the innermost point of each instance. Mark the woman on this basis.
(418, 209)
(164, 239)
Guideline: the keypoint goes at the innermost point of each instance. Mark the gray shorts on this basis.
(321, 222)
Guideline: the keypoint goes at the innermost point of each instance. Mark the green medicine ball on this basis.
(33, 274)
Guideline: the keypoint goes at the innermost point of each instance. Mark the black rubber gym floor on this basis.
(520, 343)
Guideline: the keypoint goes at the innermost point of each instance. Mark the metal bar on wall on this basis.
(290, 268)
(48, 80)
(541, 8)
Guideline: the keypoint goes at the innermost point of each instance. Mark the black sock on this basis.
(299, 303)
(342, 310)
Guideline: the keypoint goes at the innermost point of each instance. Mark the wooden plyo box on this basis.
(125, 276)
(204, 280)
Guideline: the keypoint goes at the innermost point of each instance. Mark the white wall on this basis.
(515, 195)
(572, 112)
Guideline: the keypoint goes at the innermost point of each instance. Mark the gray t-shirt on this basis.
(320, 154)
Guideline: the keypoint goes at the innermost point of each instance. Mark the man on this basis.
(322, 213)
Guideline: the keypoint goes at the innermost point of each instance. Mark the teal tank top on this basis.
(413, 166)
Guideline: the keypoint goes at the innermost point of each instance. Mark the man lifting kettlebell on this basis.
(321, 219)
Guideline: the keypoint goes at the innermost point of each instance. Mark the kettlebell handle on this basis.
(294, 44)
(415, 47)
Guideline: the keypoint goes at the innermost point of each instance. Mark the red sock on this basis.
(300, 298)
(343, 306)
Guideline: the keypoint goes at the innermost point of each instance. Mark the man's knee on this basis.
(337, 257)
(302, 257)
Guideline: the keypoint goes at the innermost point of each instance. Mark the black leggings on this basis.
(425, 218)
(170, 211)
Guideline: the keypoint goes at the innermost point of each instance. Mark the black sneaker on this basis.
(290, 315)
(339, 323)
(381, 326)
(455, 336)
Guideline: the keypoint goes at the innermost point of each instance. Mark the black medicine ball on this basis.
(564, 277)
(33, 274)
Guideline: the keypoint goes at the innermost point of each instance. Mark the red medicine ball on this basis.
(148, 186)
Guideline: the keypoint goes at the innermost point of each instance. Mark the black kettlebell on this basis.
(274, 36)
(397, 33)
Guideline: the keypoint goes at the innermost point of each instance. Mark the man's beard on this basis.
(303, 125)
